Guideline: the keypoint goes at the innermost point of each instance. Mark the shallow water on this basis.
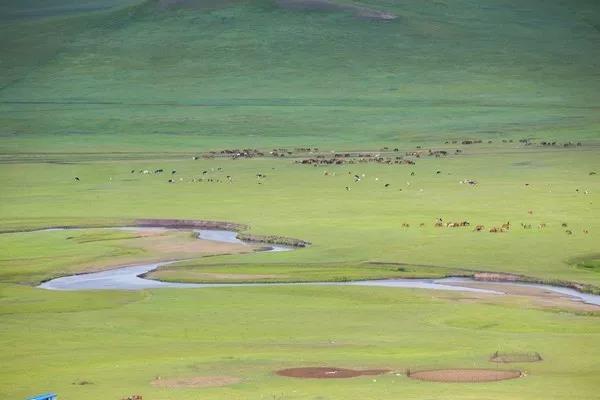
(218, 235)
(128, 277)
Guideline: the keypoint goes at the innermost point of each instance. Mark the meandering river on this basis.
(131, 277)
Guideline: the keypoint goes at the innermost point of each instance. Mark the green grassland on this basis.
(352, 227)
(122, 341)
(98, 88)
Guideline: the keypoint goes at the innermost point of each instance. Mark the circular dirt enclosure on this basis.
(327, 372)
(465, 375)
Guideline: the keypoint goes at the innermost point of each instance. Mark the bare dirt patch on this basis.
(163, 245)
(517, 357)
(332, 6)
(539, 297)
(195, 382)
(182, 243)
(465, 375)
(327, 372)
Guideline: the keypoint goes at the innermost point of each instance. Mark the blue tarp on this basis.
(45, 396)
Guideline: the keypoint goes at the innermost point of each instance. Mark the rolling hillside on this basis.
(103, 75)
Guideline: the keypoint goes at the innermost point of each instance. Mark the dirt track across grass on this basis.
(465, 375)
(195, 382)
(327, 372)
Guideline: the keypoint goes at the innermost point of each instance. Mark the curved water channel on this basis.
(131, 277)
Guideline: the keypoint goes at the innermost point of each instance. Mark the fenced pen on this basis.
(515, 357)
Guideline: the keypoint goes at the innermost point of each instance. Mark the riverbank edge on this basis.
(483, 276)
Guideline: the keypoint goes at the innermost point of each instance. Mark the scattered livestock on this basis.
(359, 157)
(319, 157)
(234, 153)
(547, 143)
(471, 141)
(430, 153)
(457, 224)
(440, 224)
(341, 159)
(331, 158)
(77, 178)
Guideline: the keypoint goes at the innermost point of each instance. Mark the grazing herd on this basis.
(386, 156)
(439, 223)
(233, 153)
(366, 157)
(526, 142)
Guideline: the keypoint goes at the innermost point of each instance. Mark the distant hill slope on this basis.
(208, 73)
